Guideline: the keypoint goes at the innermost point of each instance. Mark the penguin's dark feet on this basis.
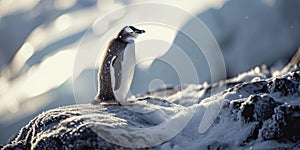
(110, 103)
(105, 103)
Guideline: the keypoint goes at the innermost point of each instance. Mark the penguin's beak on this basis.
(139, 31)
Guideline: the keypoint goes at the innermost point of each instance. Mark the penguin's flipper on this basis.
(117, 69)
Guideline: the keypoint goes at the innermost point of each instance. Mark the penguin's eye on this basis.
(131, 32)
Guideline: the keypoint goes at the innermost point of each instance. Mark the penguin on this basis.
(117, 68)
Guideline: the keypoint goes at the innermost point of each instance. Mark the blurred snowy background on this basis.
(43, 42)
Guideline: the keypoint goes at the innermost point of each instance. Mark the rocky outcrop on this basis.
(256, 110)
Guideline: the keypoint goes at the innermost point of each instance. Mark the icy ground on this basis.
(46, 34)
(257, 110)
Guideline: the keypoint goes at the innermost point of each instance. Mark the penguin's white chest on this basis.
(122, 71)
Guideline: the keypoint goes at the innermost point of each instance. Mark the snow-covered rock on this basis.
(259, 109)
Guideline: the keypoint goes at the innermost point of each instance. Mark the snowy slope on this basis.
(257, 110)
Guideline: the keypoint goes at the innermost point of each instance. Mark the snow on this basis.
(148, 136)
(50, 27)
(224, 120)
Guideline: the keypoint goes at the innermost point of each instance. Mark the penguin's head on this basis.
(129, 33)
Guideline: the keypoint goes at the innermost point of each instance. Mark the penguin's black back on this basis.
(105, 90)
